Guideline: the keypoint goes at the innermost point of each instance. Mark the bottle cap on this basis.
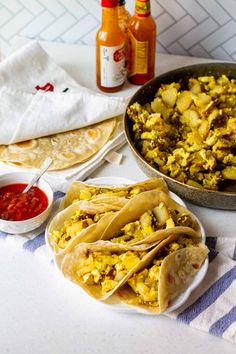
(109, 3)
(142, 8)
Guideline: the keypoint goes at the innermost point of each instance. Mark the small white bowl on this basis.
(19, 227)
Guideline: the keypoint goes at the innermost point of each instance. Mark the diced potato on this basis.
(184, 100)
(190, 118)
(158, 106)
(202, 99)
(161, 213)
(229, 172)
(169, 96)
(203, 128)
(194, 86)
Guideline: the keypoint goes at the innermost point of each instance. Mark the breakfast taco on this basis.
(163, 274)
(80, 222)
(147, 279)
(103, 194)
(149, 217)
(101, 267)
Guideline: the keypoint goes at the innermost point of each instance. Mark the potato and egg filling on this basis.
(105, 268)
(190, 134)
(88, 194)
(145, 282)
(160, 217)
(128, 193)
(73, 225)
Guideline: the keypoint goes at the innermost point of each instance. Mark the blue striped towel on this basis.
(211, 307)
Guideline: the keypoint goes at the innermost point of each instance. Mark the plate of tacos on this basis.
(134, 247)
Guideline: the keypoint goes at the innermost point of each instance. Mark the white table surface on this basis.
(40, 312)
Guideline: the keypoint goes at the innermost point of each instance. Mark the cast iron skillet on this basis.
(224, 199)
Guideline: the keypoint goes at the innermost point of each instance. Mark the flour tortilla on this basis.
(139, 204)
(176, 272)
(66, 149)
(71, 262)
(101, 194)
(89, 234)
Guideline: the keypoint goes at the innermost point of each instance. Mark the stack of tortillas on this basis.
(66, 149)
(70, 127)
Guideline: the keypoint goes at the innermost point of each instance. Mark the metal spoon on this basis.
(45, 165)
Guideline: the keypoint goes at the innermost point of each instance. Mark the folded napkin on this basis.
(210, 308)
(33, 103)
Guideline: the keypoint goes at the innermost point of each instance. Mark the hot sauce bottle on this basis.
(123, 19)
(110, 50)
(123, 16)
(141, 44)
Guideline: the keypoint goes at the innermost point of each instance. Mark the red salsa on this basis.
(15, 206)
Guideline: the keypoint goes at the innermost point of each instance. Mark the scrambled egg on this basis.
(73, 225)
(190, 135)
(106, 269)
(87, 194)
(129, 192)
(145, 282)
(160, 217)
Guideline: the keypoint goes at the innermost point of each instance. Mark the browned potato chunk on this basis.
(184, 100)
(229, 172)
(169, 96)
(190, 118)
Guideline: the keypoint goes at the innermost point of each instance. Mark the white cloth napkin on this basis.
(29, 111)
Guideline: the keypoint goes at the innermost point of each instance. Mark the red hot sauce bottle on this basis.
(141, 44)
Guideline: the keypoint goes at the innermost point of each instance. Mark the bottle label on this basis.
(142, 8)
(113, 72)
(138, 55)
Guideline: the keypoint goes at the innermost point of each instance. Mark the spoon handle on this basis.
(47, 162)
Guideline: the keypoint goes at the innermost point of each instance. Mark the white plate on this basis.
(113, 302)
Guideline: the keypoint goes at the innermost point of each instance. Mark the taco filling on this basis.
(75, 224)
(87, 194)
(105, 268)
(80, 191)
(160, 217)
(145, 283)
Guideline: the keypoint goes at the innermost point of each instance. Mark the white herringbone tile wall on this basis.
(205, 28)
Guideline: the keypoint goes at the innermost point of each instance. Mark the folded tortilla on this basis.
(80, 222)
(100, 268)
(150, 217)
(163, 274)
(65, 149)
(102, 194)
(150, 280)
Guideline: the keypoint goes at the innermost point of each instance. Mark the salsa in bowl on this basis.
(23, 212)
